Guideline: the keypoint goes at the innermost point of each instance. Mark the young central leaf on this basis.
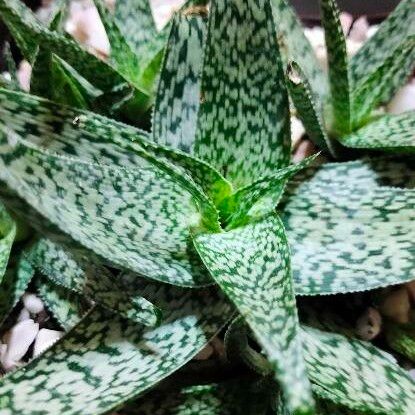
(243, 126)
(251, 264)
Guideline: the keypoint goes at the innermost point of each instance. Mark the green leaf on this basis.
(356, 374)
(227, 398)
(243, 126)
(105, 207)
(122, 56)
(66, 306)
(19, 19)
(392, 33)
(105, 360)
(309, 109)
(347, 231)
(78, 271)
(99, 139)
(390, 132)
(341, 100)
(251, 264)
(135, 21)
(248, 204)
(295, 46)
(380, 85)
(178, 95)
(11, 67)
(400, 338)
(14, 284)
(7, 235)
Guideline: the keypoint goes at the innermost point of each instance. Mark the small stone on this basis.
(369, 324)
(396, 305)
(45, 339)
(305, 149)
(23, 315)
(33, 303)
(346, 20)
(404, 100)
(205, 353)
(297, 132)
(359, 30)
(21, 336)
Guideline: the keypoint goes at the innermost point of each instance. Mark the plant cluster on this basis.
(166, 211)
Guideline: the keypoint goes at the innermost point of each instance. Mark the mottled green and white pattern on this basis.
(106, 360)
(66, 306)
(77, 270)
(394, 132)
(347, 238)
(106, 208)
(243, 127)
(356, 374)
(178, 95)
(251, 264)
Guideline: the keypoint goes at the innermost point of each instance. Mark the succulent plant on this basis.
(147, 244)
(340, 108)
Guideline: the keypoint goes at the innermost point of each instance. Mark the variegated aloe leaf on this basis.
(295, 46)
(136, 22)
(99, 139)
(178, 95)
(105, 360)
(14, 284)
(7, 235)
(392, 33)
(378, 87)
(356, 374)
(105, 207)
(76, 270)
(228, 398)
(66, 306)
(309, 110)
(19, 19)
(11, 67)
(347, 233)
(401, 338)
(340, 89)
(251, 264)
(243, 126)
(253, 201)
(390, 132)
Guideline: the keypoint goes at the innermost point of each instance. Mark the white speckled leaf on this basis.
(77, 270)
(251, 264)
(347, 230)
(66, 306)
(390, 132)
(98, 139)
(243, 126)
(339, 79)
(178, 95)
(294, 45)
(356, 374)
(105, 360)
(105, 207)
(391, 33)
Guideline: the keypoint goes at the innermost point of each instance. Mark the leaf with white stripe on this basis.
(243, 126)
(7, 235)
(106, 360)
(251, 264)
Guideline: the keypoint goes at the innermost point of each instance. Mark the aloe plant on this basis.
(340, 108)
(148, 243)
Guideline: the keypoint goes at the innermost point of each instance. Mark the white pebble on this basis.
(404, 100)
(305, 149)
(21, 337)
(45, 339)
(353, 46)
(359, 30)
(23, 315)
(346, 20)
(33, 303)
(369, 324)
(297, 131)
